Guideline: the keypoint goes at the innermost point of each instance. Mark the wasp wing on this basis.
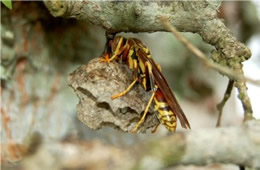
(163, 85)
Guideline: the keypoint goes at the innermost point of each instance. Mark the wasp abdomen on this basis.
(164, 112)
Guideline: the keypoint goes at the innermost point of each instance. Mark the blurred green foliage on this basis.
(7, 3)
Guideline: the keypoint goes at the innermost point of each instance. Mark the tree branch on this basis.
(237, 145)
(137, 16)
(232, 145)
(142, 16)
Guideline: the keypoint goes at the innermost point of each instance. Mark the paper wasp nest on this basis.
(95, 83)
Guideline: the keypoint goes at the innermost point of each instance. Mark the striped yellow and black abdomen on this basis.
(165, 114)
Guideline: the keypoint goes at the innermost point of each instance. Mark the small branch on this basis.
(224, 70)
(243, 96)
(234, 62)
(221, 105)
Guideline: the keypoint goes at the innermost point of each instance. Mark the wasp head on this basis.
(117, 45)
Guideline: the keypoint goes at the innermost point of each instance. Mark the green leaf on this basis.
(7, 3)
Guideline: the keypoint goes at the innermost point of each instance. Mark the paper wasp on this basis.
(137, 57)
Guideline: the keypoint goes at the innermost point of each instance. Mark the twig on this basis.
(224, 70)
(220, 106)
(245, 100)
(233, 75)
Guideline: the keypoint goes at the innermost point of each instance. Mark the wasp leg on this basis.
(144, 115)
(106, 59)
(155, 128)
(135, 75)
(126, 90)
(154, 88)
(112, 58)
(117, 51)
